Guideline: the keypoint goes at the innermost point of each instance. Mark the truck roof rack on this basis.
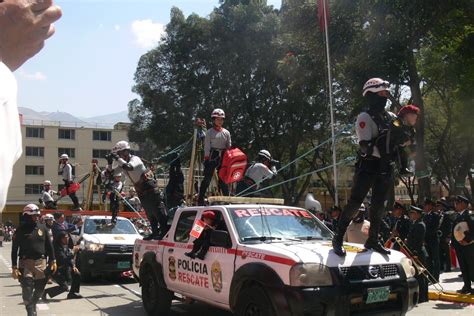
(214, 200)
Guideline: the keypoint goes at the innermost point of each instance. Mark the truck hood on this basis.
(322, 252)
(111, 239)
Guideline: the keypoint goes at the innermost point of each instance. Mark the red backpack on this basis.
(234, 163)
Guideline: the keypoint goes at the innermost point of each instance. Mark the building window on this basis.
(33, 188)
(66, 134)
(35, 132)
(102, 136)
(99, 153)
(34, 170)
(34, 151)
(71, 152)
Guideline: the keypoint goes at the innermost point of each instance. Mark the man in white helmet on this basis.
(47, 196)
(145, 184)
(374, 167)
(217, 140)
(32, 244)
(262, 169)
(65, 168)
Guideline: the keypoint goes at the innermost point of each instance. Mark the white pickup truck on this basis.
(106, 248)
(271, 260)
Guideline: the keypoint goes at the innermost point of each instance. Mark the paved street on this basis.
(122, 297)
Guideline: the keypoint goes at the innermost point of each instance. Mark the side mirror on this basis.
(220, 238)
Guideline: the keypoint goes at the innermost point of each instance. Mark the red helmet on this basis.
(209, 214)
(409, 109)
(218, 113)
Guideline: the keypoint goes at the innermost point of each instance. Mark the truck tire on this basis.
(254, 301)
(156, 299)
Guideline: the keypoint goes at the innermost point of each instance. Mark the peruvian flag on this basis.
(197, 229)
(323, 10)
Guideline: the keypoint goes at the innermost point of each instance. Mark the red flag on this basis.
(197, 229)
(323, 10)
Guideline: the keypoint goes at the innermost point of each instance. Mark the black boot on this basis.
(191, 255)
(376, 246)
(337, 245)
(31, 310)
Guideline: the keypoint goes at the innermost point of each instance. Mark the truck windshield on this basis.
(103, 226)
(277, 223)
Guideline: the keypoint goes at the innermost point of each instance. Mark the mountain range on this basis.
(33, 117)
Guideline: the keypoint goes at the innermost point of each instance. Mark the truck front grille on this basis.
(369, 272)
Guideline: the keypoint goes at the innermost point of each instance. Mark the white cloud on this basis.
(37, 76)
(117, 27)
(147, 33)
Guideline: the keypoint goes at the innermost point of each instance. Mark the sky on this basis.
(87, 67)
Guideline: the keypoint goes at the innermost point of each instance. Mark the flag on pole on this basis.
(198, 228)
(323, 11)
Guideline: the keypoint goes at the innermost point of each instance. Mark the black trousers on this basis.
(63, 277)
(432, 262)
(465, 255)
(203, 243)
(444, 255)
(151, 202)
(210, 166)
(370, 174)
(73, 196)
(114, 205)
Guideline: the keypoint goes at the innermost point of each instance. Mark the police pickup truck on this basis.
(270, 260)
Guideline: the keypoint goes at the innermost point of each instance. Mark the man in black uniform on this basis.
(374, 167)
(32, 243)
(401, 226)
(432, 221)
(445, 227)
(465, 247)
(415, 242)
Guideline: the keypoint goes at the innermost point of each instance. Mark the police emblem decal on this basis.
(172, 268)
(216, 276)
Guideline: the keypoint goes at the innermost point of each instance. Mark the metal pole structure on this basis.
(334, 158)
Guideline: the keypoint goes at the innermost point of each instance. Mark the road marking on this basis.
(5, 261)
(42, 307)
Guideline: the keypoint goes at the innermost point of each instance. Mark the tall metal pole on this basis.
(334, 158)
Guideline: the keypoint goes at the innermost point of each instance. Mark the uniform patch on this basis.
(362, 124)
(216, 276)
(40, 232)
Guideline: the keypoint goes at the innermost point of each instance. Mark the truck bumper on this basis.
(349, 300)
(105, 262)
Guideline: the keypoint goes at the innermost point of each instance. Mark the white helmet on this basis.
(132, 189)
(119, 174)
(265, 154)
(121, 145)
(31, 209)
(64, 156)
(218, 113)
(46, 182)
(375, 85)
(48, 217)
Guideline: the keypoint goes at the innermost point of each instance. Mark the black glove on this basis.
(115, 156)
(110, 159)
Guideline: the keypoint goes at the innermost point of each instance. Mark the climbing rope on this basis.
(337, 135)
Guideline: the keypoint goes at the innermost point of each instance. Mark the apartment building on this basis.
(44, 142)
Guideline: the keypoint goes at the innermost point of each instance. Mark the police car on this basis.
(270, 260)
(106, 248)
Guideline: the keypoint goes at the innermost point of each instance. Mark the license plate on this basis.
(123, 264)
(378, 294)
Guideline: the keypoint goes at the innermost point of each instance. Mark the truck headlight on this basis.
(407, 266)
(310, 274)
(90, 246)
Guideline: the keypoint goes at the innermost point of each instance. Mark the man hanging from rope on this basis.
(144, 183)
(374, 167)
(263, 169)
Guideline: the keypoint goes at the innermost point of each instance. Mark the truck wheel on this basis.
(253, 301)
(156, 299)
